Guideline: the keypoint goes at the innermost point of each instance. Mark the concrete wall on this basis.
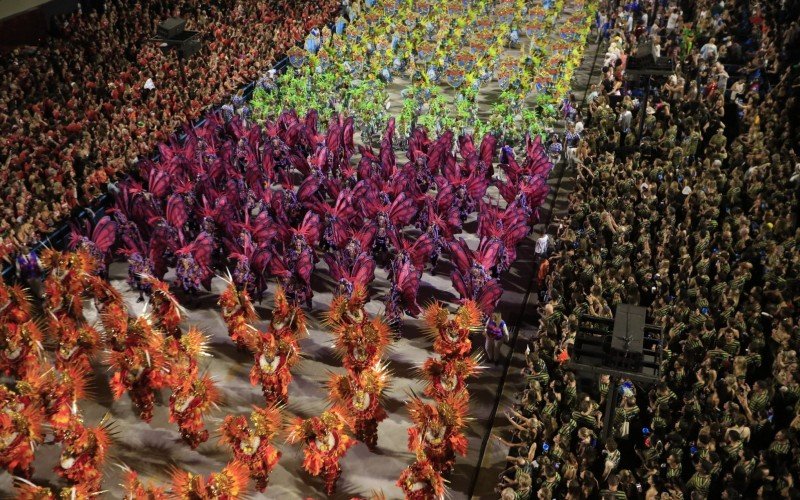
(9, 8)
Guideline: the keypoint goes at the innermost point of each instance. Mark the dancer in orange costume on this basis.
(115, 319)
(26, 490)
(57, 392)
(325, 443)
(181, 355)
(83, 455)
(65, 287)
(15, 304)
(238, 314)
(228, 484)
(287, 319)
(20, 336)
(167, 312)
(358, 395)
(451, 334)
(276, 351)
(77, 341)
(348, 310)
(274, 358)
(436, 433)
(103, 293)
(20, 431)
(420, 481)
(446, 378)
(139, 366)
(362, 345)
(135, 489)
(20, 348)
(252, 445)
(193, 397)
(67, 282)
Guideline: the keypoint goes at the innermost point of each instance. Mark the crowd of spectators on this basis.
(81, 107)
(697, 220)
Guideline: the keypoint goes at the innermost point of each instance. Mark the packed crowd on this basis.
(81, 107)
(698, 222)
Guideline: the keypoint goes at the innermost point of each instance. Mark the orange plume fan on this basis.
(267, 422)
(236, 302)
(135, 489)
(194, 343)
(469, 315)
(435, 317)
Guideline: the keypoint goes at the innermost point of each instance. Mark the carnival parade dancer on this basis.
(83, 454)
(451, 334)
(228, 484)
(238, 314)
(436, 433)
(358, 396)
(420, 481)
(139, 363)
(193, 394)
(446, 378)
(252, 445)
(325, 442)
(276, 350)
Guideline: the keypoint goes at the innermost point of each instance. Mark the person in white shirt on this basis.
(672, 20)
(709, 51)
(542, 246)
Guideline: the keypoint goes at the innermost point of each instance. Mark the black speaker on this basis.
(190, 47)
(171, 27)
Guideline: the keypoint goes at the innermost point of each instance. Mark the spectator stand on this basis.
(59, 237)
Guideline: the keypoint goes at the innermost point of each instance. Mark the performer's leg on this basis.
(331, 475)
(489, 348)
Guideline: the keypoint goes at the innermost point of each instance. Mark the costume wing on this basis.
(439, 151)
(421, 251)
(488, 252)
(299, 162)
(366, 235)
(402, 210)
(515, 233)
(476, 186)
(466, 146)
(488, 149)
(460, 285)
(334, 267)
(538, 191)
(177, 213)
(158, 183)
(537, 161)
(387, 149)
(460, 255)
(333, 140)
(104, 234)
(264, 229)
(453, 220)
(363, 270)
(305, 266)
(311, 229)
(347, 138)
(489, 296)
(408, 282)
(311, 119)
(277, 267)
(508, 190)
(445, 198)
(203, 248)
(308, 192)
